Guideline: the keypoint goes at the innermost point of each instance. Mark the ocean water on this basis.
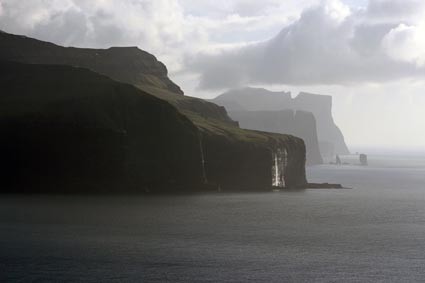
(374, 232)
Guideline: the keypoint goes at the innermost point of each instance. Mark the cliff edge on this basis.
(125, 64)
(101, 130)
(67, 129)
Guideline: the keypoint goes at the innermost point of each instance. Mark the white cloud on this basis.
(157, 26)
(244, 8)
(328, 44)
(406, 43)
(336, 10)
(167, 28)
(228, 41)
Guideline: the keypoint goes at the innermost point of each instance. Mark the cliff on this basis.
(331, 139)
(158, 140)
(68, 129)
(125, 64)
(298, 123)
(250, 156)
(328, 131)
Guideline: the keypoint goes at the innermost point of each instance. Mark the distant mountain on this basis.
(330, 137)
(298, 123)
(254, 99)
(126, 64)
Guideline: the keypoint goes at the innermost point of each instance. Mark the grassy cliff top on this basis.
(126, 64)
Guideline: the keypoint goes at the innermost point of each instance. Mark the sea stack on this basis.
(363, 159)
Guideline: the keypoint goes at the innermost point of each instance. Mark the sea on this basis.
(373, 232)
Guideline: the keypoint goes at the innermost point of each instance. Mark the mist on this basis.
(367, 54)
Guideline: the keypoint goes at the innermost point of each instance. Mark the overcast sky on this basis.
(368, 54)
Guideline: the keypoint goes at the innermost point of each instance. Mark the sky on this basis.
(368, 54)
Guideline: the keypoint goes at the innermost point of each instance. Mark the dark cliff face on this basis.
(330, 136)
(70, 130)
(250, 156)
(99, 133)
(298, 123)
(126, 64)
(67, 130)
(235, 158)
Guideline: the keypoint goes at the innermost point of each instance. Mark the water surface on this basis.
(374, 232)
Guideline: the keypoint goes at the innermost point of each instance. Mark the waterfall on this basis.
(279, 167)
(284, 166)
(276, 169)
(204, 172)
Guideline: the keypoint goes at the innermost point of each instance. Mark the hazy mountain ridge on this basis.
(298, 123)
(257, 99)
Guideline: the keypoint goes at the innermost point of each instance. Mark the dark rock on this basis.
(324, 186)
(338, 160)
(67, 129)
(246, 162)
(363, 159)
(113, 136)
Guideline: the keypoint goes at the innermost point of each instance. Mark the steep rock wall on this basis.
(161, 149)
(66, 129)
(251, 160)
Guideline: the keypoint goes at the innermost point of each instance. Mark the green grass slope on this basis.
(126, 64)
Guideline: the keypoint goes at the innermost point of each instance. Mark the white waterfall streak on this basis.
(278, 167)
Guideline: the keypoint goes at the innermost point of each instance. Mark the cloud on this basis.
(328, 44)
(244, 8)
(406, 44)
(167, 28)
(159, 26)
(227, 43)
(395, 10)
